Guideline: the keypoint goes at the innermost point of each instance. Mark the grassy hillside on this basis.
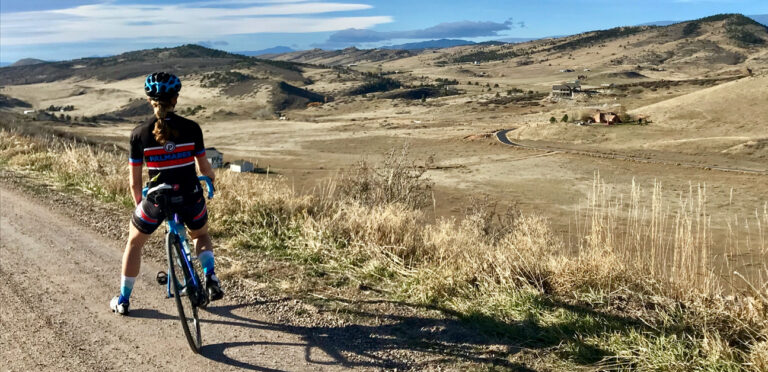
(707, 43)
(183, 60)
(714, 107)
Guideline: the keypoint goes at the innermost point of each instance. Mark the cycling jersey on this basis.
(174, 161)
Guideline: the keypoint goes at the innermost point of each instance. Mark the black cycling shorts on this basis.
(148, 216)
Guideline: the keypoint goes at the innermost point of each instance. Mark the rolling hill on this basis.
(709, 108)
(183, 60)
(710, 42)
(708, 45)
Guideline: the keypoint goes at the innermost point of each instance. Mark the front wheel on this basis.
(184, 291)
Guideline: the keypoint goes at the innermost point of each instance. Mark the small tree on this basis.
(564, 119)
(553, 120)
(498, 95)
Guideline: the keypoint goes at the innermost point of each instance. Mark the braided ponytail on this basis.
(162, 131)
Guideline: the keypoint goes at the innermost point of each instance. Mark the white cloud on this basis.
(200, 20)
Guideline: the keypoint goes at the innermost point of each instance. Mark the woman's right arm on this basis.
(135, 180)
(136, 160)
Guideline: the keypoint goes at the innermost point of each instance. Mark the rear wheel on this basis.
(185, 293)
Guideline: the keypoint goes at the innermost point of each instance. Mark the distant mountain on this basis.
(27, 62)
(273, 50)
(3, 64)
(659, 23)
(429, 44)
(517, 40)
(761, 18)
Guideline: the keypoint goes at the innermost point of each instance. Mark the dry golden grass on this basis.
(672, 238)
(758, 358)
(641, 256)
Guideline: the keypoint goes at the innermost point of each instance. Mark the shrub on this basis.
(396, 180)
(378, 84)
(553, 120)
(691, 28)
(487, 56)
(223, 79)
(441, 81)
(744, 36)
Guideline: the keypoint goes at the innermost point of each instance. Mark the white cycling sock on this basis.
(126, 286)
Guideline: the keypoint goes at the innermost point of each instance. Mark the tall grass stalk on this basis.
(670, 238)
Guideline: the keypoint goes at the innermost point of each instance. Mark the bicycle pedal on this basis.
(162, 278)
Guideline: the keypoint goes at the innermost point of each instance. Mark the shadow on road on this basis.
(355, 345)
(391, 342)
(372, 346)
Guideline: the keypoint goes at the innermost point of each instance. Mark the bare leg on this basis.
(201, 239)
(204, 249)
(132, 253)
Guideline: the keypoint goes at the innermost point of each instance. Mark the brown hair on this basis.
(162, 131)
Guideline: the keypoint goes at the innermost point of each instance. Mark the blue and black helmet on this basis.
(162, 86)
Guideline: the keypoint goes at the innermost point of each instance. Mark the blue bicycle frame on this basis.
(177, 230)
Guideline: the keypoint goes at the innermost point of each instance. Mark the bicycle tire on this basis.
(178, 274)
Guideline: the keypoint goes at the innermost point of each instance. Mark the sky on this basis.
(68, 29)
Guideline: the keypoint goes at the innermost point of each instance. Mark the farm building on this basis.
(609, 118)
(215, 157)
(241, 166)
(566, 90)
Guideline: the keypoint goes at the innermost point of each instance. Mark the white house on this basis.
(241, 166)
(215, 157)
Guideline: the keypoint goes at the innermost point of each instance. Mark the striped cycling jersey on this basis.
(174, 161)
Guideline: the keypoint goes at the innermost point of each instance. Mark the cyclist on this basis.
(170, 145)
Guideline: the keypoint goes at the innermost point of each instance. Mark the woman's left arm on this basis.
(202, 161)
(205, 167)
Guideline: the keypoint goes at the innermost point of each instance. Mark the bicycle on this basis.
(182, 279)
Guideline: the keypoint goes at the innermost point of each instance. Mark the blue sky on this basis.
(66, 29)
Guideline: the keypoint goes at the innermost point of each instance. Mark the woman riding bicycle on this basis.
(171, 146)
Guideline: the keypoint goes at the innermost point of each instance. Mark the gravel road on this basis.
(58, 278)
